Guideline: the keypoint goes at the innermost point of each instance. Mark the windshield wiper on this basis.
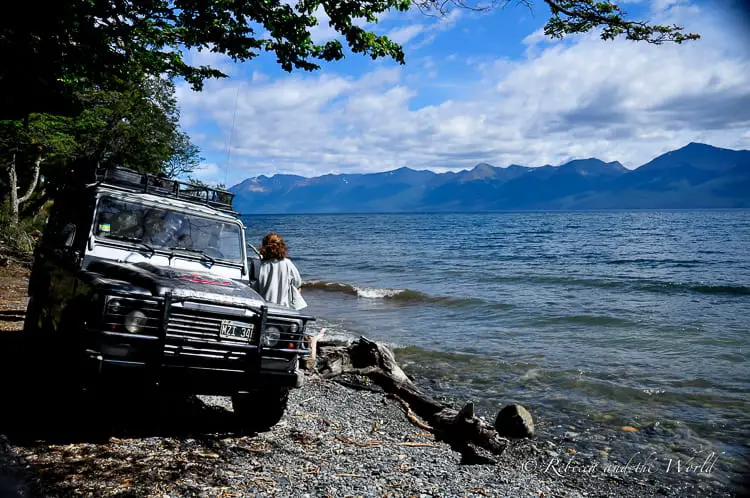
(134, 240)
(197, 251)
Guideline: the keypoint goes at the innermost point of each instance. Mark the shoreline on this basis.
(334, 440)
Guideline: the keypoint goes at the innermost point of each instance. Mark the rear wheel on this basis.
(31, 319)
(34, 341)
(259, 411)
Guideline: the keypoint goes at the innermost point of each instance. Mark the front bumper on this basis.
(101, 369)
(182, 347)
(197, 367)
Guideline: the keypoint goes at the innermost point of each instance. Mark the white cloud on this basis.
(211, 173)
(323, 31)
(614, 100)
(406, 33)
(257, 76)
(206, 57)
(662, 5)
(534, 38)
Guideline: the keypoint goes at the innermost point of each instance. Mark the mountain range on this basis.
(694, 176)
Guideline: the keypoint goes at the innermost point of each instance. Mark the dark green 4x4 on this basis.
(144, 281)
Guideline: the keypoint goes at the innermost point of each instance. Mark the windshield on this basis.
(162, 228)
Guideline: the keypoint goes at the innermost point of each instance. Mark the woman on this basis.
(279, 280)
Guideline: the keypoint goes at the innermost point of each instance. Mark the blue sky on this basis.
(479, 87)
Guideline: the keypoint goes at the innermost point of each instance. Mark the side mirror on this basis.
(68, 235)
(254, 250)
(253, 263)
(64, 240)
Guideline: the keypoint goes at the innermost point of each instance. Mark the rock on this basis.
(515, 422)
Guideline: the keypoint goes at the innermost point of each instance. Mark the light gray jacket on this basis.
(279, 282)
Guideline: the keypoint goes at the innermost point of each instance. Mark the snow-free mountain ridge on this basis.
(694, 176)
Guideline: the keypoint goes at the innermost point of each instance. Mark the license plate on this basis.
(237, 331)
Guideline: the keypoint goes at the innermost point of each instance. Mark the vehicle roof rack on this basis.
(166, 187)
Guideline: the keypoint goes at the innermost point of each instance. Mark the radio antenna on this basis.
(231, 134)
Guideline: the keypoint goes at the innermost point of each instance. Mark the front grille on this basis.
(200, 326)
(192, 339)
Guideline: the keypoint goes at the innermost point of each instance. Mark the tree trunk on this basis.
(16, 201)
(13, 177)
(462, 429)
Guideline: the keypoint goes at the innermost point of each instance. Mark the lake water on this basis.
(604, 319)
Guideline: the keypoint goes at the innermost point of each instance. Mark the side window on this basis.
(67, 235)
(81, 220)
(120, 220)
(67, 228)
(60, 227)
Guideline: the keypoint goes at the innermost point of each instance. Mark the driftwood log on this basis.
(461, 429)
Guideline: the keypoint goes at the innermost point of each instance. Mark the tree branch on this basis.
(580, 16)
(462, 429)
(584, 15)
(30, 190)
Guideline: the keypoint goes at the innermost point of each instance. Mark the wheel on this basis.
(38, 351)
(33, 342)
(31, 320)
(259, 411)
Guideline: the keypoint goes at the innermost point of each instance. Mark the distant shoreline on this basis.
(695, 176)
(503, 211)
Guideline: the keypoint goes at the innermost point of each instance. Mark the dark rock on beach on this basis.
(515, 422)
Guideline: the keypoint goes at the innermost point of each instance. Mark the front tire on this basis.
(259, 411)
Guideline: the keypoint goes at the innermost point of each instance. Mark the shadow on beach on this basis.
(56, 442)
(36, 409)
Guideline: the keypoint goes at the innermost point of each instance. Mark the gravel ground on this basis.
(13, 299)
(333, 441)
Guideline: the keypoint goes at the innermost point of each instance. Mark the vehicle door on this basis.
(61, 254)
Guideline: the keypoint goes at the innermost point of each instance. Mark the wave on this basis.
(630, 284)
(367, 292)
(733, 290)
(600, 320)
(678, 263)
(406, 296)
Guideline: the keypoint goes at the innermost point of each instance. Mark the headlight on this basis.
(115, 306)
(271, 337)
(134, 315)
(134, 321)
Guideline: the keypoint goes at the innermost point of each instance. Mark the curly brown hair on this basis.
(274, 247)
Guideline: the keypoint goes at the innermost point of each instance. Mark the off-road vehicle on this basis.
(140, 281)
